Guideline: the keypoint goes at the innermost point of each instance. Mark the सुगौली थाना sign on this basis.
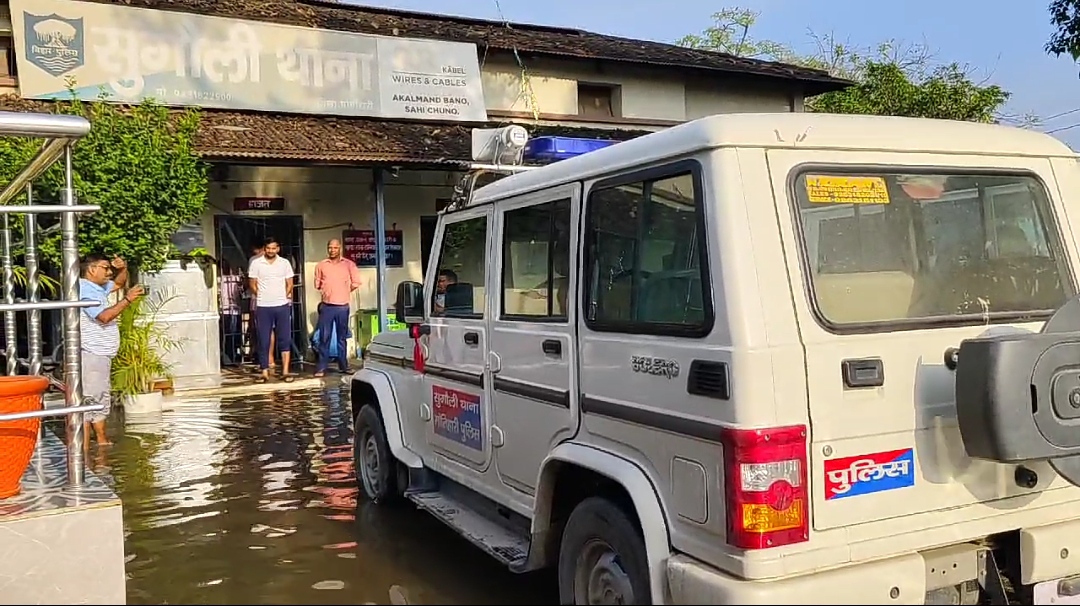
(183, 59)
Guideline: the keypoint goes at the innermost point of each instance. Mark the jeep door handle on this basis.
(552, 347)
(472, 338)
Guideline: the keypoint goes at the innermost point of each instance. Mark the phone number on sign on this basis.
(458, 416)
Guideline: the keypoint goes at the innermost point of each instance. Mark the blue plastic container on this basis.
(553, 149)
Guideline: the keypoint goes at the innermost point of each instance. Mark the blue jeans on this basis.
(276, 320)
(332, 319)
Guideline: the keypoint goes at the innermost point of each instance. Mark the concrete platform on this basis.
(59, 545)
(239, 383)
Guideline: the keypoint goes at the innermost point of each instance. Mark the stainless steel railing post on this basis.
(33, 321)
(11, 330)
(33, 318)
(69, 253)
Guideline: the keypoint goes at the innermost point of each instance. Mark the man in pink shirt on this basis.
(335, 278)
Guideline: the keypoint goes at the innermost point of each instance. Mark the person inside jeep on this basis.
(447, 277)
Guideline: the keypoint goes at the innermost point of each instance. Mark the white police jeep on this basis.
(752, 359)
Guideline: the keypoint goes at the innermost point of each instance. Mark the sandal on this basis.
(261, 379)
(288, 378)
(319, 374)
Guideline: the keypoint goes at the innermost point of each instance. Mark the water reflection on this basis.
(253, 500)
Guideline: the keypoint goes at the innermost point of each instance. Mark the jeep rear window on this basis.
(906, 248)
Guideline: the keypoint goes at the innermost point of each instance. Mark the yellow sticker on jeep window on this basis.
(846, 190)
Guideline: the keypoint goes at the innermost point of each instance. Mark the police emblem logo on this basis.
(53, 43)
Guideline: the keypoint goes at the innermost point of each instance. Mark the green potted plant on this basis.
(45, 283)
(141, 360)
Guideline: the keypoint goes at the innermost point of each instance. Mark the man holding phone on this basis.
(100, 331)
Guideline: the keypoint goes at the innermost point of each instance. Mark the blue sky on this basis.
(1002, 39)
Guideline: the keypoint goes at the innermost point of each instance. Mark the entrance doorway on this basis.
(427, 240)
(235, 238)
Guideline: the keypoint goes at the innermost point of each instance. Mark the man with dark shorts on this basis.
(271, 279)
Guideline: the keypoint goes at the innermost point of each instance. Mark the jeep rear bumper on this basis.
(898, 580)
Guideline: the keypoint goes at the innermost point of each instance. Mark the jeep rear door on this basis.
(894, 258)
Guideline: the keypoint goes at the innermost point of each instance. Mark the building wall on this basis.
(329, 199)
(645, 94)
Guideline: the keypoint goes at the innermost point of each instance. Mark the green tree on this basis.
(138, 163)
(1065, 17)
(885, 89)
(891, 79)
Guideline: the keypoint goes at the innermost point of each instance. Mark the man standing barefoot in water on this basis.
(270, 278)
(100, 332)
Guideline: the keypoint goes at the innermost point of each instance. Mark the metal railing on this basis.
(59, 133)
(94, 406)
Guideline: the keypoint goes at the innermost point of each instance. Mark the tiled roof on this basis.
(226, 135)
(524, 38)
(233, 135)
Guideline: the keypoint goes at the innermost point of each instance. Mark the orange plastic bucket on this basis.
(18, 438)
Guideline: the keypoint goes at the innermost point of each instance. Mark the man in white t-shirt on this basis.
(271, 281)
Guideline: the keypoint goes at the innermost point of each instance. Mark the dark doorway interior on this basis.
(235, 237)
(427, 239)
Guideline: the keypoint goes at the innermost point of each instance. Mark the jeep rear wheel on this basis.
(602, 557)
(376, 468)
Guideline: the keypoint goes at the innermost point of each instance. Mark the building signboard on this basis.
(129, 54)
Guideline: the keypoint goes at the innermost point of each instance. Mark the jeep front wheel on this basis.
(602, 557)
(376, 468)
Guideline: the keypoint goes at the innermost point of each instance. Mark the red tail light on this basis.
(765, 485)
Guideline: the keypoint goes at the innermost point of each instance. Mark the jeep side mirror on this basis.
(409, 304)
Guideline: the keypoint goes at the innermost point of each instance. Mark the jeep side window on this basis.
(536, 261)
(943, 246)
(459, 286)
(644, 268)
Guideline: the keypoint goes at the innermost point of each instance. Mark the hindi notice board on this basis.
(360, 246)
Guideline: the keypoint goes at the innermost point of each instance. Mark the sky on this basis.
(1001, 40)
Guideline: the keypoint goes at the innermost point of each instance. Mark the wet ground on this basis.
(252, 500)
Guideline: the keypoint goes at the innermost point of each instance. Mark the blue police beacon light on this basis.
(553, 149)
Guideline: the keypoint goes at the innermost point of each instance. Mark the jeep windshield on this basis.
(907, 248)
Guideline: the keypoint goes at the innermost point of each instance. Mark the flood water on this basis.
(253, 500)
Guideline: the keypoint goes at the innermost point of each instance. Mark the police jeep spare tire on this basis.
(1018, 395)
(602, 557)
(376, 468)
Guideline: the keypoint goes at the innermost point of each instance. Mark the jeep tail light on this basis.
(765, 486)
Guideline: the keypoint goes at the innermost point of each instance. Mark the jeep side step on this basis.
(496, 538)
